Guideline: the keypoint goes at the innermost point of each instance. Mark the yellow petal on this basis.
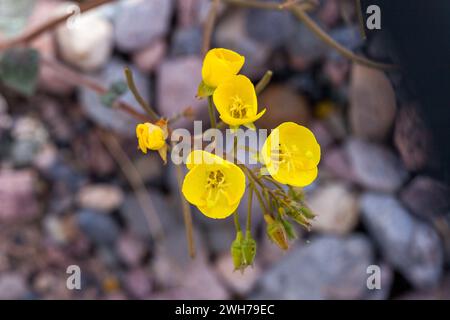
(197, 157)
(194, 185)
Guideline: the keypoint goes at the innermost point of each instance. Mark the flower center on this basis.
(215, 185)
(292, 157)
(215, 179)
(238, 109)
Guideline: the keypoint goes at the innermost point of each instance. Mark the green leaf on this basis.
(114, 92)
(204, 90)
(19, 69)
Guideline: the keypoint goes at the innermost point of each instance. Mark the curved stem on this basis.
(361, 19)
(132, 85)
(49, 25)
(319, 32)
(212, 113)
(262, 84)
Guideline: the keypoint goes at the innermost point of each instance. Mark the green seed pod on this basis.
(236, 251)
(298, 217)
(290, 230)
(276, 232)
(248, 249)
(307, 212)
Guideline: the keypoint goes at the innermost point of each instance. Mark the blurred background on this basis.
(75, 190)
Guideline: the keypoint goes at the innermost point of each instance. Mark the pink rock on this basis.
(241, 283)
(323, 135)
(130, 249)
(148, 58)
(413, 139)
(17, 195)
(336, 162)
(138, 283)
(178, 80)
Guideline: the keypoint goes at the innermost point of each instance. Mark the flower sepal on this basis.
(204, 90)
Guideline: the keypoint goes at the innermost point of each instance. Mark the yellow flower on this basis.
(213, 184)
(153, 137)
(291, 154)
(219, 65)
(236, 102)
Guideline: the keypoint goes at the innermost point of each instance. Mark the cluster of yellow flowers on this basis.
(289, 156)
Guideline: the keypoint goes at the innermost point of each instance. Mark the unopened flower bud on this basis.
(276, 232)
(248, 249)
(236, 251)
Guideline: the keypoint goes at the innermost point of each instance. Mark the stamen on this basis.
(237, 108)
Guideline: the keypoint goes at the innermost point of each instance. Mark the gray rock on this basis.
(100, 228)
(409, 245)
(372, 103)
(113, 118)
(426, 197)
(326, 268)
(187, 41)
(270, 26)
(375, 166)
(304, 47)
(12, 286)
(231, 33)
(140, 22)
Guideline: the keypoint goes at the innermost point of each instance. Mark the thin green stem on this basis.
(325, 37)
(275, 183)
(237, 224)
(132, 85)
(212, 113)
(249, 209)
(186, 215)
(262, 84)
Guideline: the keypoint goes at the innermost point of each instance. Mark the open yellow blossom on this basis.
(213, 184)
(291, 154)
(153, 137)
(219, 65)
(236, 102)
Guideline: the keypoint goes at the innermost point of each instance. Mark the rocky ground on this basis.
(65, 200)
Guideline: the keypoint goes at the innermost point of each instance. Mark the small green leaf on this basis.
(19, 69)
(204, 90)
(114, 92)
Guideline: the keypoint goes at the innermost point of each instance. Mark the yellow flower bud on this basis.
(150, 136)
(219, 65)
(248, 249)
